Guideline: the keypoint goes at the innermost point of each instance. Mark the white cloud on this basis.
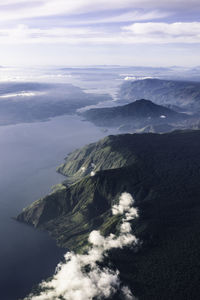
(152, 32)
(131, 16)
(42, 8)
(73, 282)
(130, 77)
(173, 29)
(23, 34)
(22, 94)
(71, 23)
(124, 206)
(149, 33)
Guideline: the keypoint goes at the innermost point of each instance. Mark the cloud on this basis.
(80, 277)
(20, 9)
(173, 29)
(127, 293)
(22, 34)
(131, 77)
(79, 17)
(119, 17)
(152, 32)
(97, 29)
(137, 33)
(22, 94)
(125, 207)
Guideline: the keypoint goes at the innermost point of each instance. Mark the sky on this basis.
(100, 32)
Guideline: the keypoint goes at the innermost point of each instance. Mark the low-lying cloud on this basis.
(80, 276)
(22, 94)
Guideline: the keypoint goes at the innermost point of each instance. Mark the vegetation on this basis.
(141, 115)
(162, 173)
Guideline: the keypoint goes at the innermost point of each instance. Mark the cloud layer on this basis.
(88, 24)
(137, 33)
(41, 8)
(80, 277)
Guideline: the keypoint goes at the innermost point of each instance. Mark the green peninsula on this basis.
(162, 173)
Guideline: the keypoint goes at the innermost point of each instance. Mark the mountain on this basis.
(184, 94)
(161, 171)
(136, 116)
(31, 102)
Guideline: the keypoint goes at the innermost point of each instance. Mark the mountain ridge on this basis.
(163, 177)
(184, 94)
(137, 115)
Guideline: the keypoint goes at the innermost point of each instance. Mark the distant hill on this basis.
(33, 102)
(161, 171)
(136, 116)
(183, 94)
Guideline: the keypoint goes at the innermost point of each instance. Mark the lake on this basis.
(29, 155)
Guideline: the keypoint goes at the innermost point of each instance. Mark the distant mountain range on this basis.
(27, 102)
(161, 171)
(141, 115)
(23, 102)
(183, 94)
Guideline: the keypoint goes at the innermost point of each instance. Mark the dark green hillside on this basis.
(162, 172)
(103, 155)
(137, 116)
(138, 109)
(165, 92)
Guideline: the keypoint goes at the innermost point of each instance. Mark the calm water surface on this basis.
(29, 154)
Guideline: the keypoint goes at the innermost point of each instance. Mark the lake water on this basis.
(29, 155)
